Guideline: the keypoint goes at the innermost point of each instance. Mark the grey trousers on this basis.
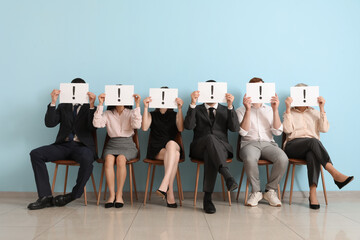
(250, 154)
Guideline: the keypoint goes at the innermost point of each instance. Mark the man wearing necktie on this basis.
(74, 142)
(210, 123)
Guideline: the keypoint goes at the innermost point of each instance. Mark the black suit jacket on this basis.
(197, 119)
(82, 124)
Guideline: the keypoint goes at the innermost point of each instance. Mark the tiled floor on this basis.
(339, 220)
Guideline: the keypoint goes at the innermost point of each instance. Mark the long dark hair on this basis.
(169, 109)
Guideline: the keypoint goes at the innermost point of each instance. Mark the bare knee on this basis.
(121, 160)
(171, 146)
(109, 161)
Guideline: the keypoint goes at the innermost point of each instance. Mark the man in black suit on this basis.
(211, 122)
(74, 142)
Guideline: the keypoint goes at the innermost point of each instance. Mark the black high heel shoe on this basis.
(342, 184)
(313, 206)
(119, 205)
(109, 204)
(170, 205)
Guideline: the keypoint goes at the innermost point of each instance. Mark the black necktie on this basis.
(211, 115)
(72, 133)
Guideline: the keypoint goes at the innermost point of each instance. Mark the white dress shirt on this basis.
(261, 124)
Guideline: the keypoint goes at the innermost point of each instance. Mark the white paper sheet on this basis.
(212, 92)
(163, 98)
(74, 93)
(260, 92)
(117, 95)
(304, 96)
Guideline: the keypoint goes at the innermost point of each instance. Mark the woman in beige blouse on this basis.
(302, 126)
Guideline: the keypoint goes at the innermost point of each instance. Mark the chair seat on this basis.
(297, 161)
(229, 160)
(100, 160)
(264, 162)
(158, 162)
(66, 162)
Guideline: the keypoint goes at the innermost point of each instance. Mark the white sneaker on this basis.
(272, 198)
(254, 198)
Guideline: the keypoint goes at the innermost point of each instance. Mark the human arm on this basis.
(135, 113)
(179, 115)
(146, 118)
(190, 118)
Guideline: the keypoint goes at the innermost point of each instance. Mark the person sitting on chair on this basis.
(258, 124)
(210, 123)
(302, 126)
(120, 122)
(164, 124)
(74, 142)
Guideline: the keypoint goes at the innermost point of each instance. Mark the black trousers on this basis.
(313, 152)
(64, 151)
(212, 151)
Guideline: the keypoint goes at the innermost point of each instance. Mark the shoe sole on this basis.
(160, 194)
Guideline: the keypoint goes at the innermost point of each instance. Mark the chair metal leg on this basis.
(222, 185)
(286, 178)
(323, 183)
(292, 183)
(241, 179)
(54, 179)
(100, 185)
(179, 186)
(246, 191)
(66, 176)
(130, 181)
(196, 183)
(147, 183)
(152, 181)
(134, 182)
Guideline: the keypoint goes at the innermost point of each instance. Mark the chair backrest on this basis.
(135, 139)
(95, 142)
(238, 148)
(283, 139)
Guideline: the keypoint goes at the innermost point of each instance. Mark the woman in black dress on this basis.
(164, 124)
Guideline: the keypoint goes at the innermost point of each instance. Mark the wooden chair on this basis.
(261, 162)
(68, 163)
(154, 163)
(129, 163)
(201, 162)
(294, 162)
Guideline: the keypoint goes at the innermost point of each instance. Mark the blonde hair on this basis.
(301, 85)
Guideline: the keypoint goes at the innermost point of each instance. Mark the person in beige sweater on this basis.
(302, 126)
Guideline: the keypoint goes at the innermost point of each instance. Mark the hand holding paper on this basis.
(163, 97)
(119, 95)
(212, 92)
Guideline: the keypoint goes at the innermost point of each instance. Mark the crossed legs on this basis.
(171, 156)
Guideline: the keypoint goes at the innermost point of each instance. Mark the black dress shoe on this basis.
(313, 206)
(231, 184)
(43, 202)
(209, 207)
(342, 184)
(62, 200)
(119, 204)
(161, 193)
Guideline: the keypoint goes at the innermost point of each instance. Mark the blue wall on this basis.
(174, 43)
